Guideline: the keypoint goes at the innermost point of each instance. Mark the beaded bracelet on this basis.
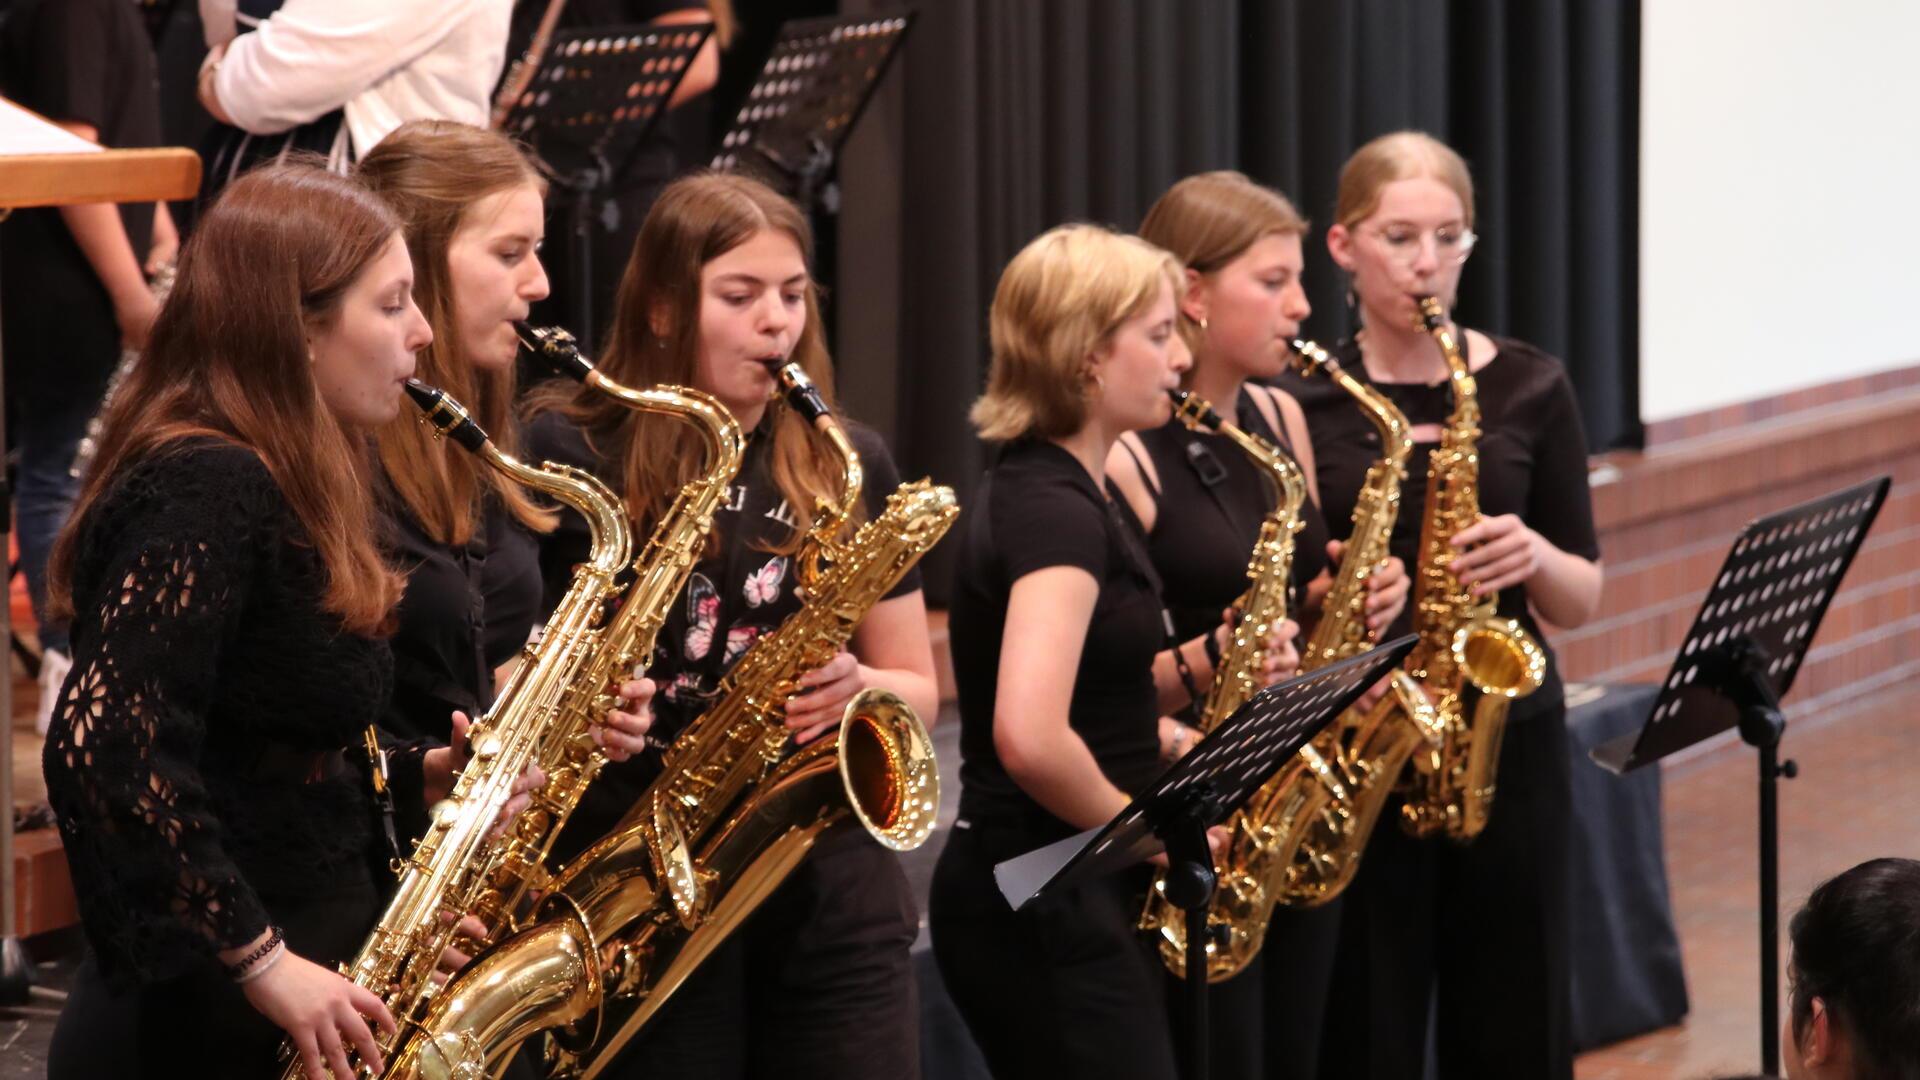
(255, 963)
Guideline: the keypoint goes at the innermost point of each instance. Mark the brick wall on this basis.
(1667, 516)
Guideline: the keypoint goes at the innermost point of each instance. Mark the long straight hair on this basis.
(228, 358)
(696, 220)
(433, 173)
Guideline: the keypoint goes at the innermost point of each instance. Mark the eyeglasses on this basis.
(1403, 245)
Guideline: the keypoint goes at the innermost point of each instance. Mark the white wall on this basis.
(1779, 196)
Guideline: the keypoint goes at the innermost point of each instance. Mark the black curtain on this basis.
(1006, 117)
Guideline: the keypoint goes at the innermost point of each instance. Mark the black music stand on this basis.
(816, 82)
(598, 91)
(1739, 660)
(1217, 777)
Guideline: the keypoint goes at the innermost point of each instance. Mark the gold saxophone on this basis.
(1244, 897)
(450, 867)
(538, 969)
(1368, 748)
(749, 810)
(1462, 640)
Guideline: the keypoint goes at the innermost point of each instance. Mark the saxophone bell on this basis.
(887, 767)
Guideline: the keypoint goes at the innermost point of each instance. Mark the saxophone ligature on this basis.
(1244, 898)
(451, 1032)
(750, 808)
(1464, 644)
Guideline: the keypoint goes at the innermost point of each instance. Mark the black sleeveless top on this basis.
(1212, 499)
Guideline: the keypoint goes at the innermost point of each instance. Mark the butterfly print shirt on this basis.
(737, 593)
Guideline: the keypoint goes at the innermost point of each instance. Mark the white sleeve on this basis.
(313, 56)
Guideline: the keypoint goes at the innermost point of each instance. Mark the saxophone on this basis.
(750, 810)
(536, 969)
(449, 868)
(1369, 748)
(1462, 640)
(1244, 897)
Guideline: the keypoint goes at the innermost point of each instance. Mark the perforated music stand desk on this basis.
(1199, 791)
(597, 91)
(815, 84)
(1739, 660)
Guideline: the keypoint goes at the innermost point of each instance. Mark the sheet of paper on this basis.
(23, 132)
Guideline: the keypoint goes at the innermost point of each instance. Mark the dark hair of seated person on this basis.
(1856, 950)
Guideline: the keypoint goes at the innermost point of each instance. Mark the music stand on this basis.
(596, 90)
(1739, 660)
(1215, 778)
(816, 82)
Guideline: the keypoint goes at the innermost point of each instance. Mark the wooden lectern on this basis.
(44, 165)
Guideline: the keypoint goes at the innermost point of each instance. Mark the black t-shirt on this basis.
(89, 62)
(1037, 508)
(1533, 453)
(465, 611)
(738, 591)
(1204, 532)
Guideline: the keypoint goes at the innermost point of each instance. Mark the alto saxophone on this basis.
(1462, 641)
(451, 865)
(751, 810)
(1244, 897)
(1368, 748)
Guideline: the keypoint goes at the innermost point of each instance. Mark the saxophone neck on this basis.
(806, 399)
(611, 540)
(725, 443)
(1289, 483)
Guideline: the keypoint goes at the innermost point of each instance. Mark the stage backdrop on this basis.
(1006, 117)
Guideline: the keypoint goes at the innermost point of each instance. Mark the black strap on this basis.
(1146, 477)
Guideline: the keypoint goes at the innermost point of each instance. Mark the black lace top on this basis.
(195, 758)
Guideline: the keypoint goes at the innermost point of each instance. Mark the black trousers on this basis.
(817, 983)
(1478, 929)
(1065, 987)
(1265, 1023)
(201, 1024)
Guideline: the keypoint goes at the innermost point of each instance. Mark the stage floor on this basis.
(1853, 800)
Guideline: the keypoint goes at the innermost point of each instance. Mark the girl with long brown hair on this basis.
(716, 293)
(229, 606)
(472, 207)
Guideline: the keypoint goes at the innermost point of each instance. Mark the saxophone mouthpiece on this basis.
(1432, 315)
(802, 394)
(1194, 411)
(556, 348)
(447, 416)
(1309, 358)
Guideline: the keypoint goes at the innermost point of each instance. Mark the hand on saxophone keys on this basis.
(821, 695)
(1283, 659)
(1496, 553)
(1386, 589)
(624, 733)
(322, 1013)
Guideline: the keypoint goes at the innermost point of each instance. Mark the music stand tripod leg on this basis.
(1190, 885)
(1761, 725)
